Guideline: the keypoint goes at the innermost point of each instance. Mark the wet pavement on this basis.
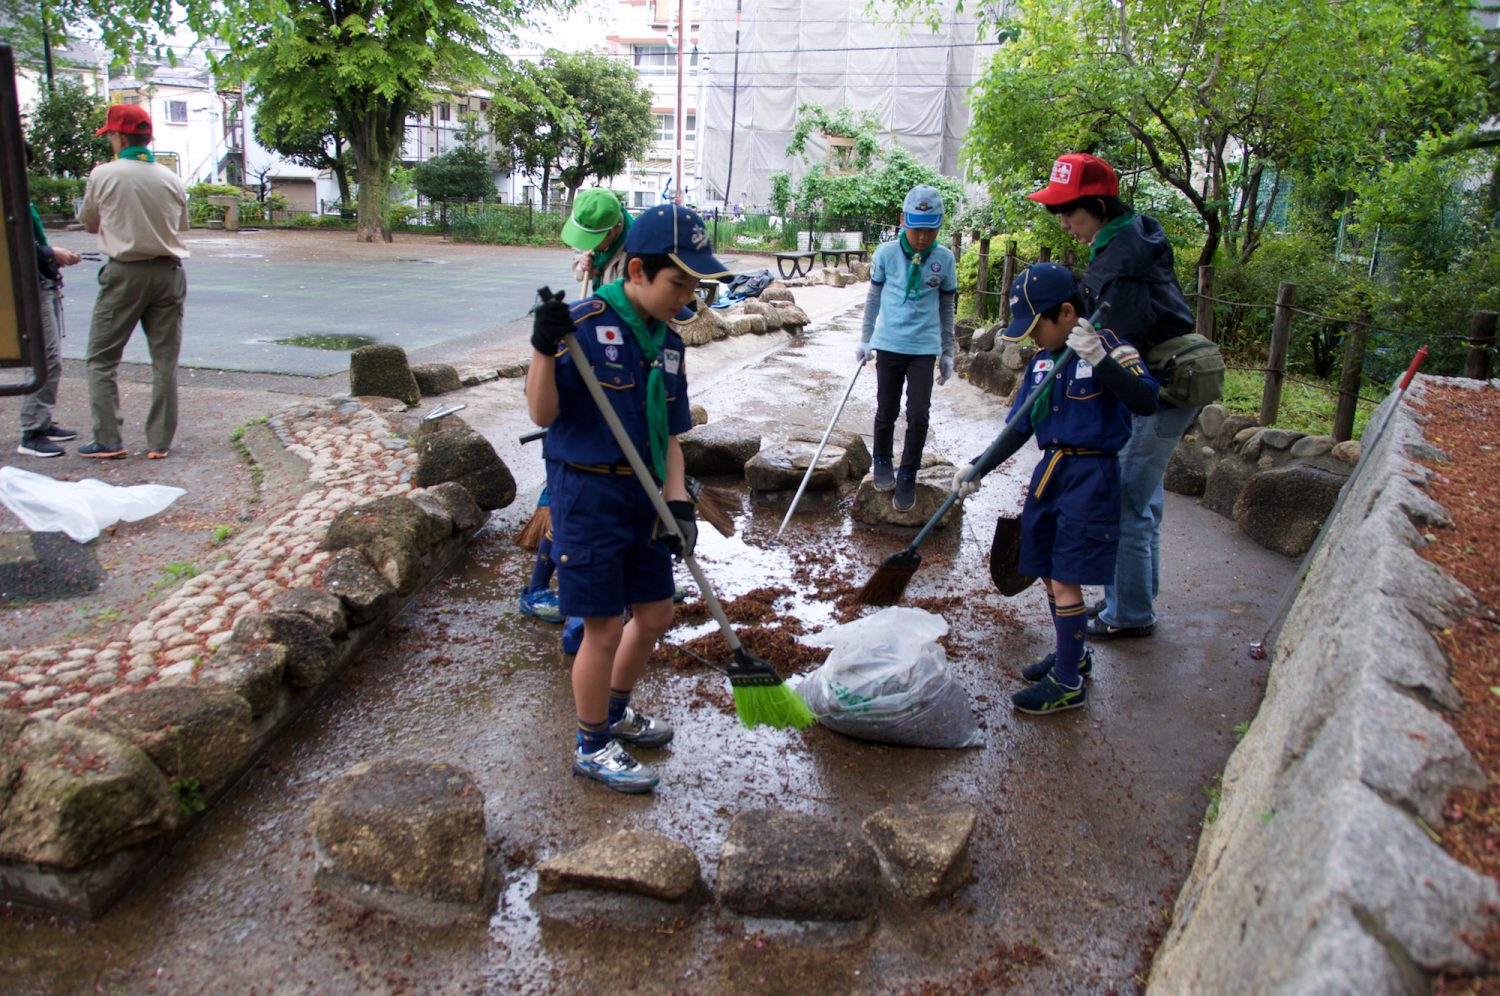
(1087, 821)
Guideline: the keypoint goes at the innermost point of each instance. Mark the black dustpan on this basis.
(1005, 558)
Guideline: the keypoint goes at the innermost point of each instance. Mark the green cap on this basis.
(595, 212)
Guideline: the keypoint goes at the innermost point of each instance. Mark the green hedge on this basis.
(55, 195)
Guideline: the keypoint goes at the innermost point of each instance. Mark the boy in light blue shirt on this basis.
(909, 326)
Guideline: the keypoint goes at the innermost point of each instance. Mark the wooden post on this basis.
(1205, 301)
(982, 280)
(1281, 333)
(958, 254)
(1007, 277)
(1481, 344)
(1349, 379)
(1044, 254)
(1070, 258)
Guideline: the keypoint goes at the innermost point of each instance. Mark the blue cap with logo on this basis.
(923, 208)
(676, 232)
(1040, 288)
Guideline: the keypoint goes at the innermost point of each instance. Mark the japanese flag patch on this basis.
(609, 335)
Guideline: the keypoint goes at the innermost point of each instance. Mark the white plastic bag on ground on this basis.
(79, 508)
(887, 680)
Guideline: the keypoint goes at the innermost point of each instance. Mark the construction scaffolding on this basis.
(779, 54)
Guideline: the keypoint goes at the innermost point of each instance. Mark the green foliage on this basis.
(870, 183)
(573, 115)
(460, 174)
(221, 533)
(61, 130)
(55, 195)
(1215, 793)
(1306, 406)
(507, 224)
(189, 792)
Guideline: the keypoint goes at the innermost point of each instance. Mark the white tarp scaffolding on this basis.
(829, 52)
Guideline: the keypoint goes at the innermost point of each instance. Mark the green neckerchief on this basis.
(137, 152)
(603, 256)
(36, 226)
(1109, 231)
(650, 335)
(914, 275)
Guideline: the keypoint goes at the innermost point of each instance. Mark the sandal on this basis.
(1100, 630)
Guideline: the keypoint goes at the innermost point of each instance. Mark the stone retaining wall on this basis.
(1320, 872)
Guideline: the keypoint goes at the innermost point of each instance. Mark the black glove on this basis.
(686, 541)
(551, 320)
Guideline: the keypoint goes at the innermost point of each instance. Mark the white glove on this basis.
(962, 487)
(945, 369)
(862, 352)
(1084, 341)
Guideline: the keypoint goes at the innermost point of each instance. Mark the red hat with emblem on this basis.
(1076, 175)
(127, 119)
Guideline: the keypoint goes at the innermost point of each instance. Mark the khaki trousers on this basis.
(151, 292)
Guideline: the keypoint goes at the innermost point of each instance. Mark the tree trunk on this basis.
(375, 136)
(374, 186)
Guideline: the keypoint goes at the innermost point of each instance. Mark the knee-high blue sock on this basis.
(1071, 623)
(618, 701)
(541, 571)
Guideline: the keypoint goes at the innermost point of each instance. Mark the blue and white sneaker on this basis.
(541, 603)
(1048, 696)
(639, 730)
(613, 766)
(1035, 672)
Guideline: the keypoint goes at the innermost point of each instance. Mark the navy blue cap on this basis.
(677, 232)
(1040, 287)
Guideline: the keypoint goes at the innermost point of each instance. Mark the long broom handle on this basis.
(1062, 360)
(822, 443)
(612, 419)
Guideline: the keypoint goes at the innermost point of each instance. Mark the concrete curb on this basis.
(1321, 871)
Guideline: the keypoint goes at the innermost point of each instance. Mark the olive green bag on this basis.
(1189, 368)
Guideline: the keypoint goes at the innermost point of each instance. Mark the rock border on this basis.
(1320, 872)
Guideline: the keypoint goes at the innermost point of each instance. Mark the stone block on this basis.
(923, 851)
(796, 867)
(381, 370)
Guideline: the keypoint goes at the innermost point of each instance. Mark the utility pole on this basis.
(734, 103)
(677, 156)
(47, 46)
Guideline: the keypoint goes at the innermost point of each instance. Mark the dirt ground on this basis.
(1087, 821)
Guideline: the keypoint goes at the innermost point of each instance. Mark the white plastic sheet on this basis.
(79, 508)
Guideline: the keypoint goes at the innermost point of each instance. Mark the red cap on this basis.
(1076, 175)
(127, 119)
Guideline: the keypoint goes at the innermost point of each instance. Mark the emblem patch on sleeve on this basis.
(671, 360)
(609, 334)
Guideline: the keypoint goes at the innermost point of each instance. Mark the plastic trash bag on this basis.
(79, 508)
(887, 680)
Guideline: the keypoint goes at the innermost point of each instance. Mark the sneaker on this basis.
(158, 454)
(1047, 696)
(905, 498)
(58, 434)
(98, 451)
(1035, 672)
(572, 637)
(613, 766)
(679, 594)
(541, 603)
(639, 730)
(883, 472)
(38, 445)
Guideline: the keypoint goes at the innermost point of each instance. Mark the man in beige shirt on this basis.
(137, 209)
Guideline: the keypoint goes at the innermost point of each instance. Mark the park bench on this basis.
(833, 249)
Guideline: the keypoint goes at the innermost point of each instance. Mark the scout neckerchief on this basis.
(650, 336)
(1043, 398)
(603, 256)
(914, 275)
(137, 152)
(36, 226)
(1109, 231)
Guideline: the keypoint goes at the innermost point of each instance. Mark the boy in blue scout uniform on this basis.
(909, 325)
(604, 536)
(1070, 523)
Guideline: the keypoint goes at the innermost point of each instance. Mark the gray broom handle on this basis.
(580, 363)
(824, 442)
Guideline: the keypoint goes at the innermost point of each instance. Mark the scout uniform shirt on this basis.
(579, 434)
(1080, 413)
(910, 323)
(140, 207)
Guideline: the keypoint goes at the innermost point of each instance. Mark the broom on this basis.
(540, 524)
(889, 582)
(760, 696)
(710, 502)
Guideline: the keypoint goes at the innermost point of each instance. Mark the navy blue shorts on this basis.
(602, 543)
(1071, 532)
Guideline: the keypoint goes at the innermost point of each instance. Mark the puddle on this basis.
(336, 343)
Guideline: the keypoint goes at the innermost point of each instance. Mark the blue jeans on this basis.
(1143, 464)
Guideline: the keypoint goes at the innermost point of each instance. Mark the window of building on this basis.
(660, 60)
(666, 128)
(444, 112)
(642, 198)
(177, 112)
(665, 11)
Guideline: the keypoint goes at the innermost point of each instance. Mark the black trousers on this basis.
(893, 372)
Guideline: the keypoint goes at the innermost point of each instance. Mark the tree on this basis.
(578, 114)
(124, 27)
(1218, 98)
(861, 179)
(372, 64)
(314, 142)
(462, 173)
(61, 130)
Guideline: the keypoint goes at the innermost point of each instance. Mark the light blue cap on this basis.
(923, 208)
